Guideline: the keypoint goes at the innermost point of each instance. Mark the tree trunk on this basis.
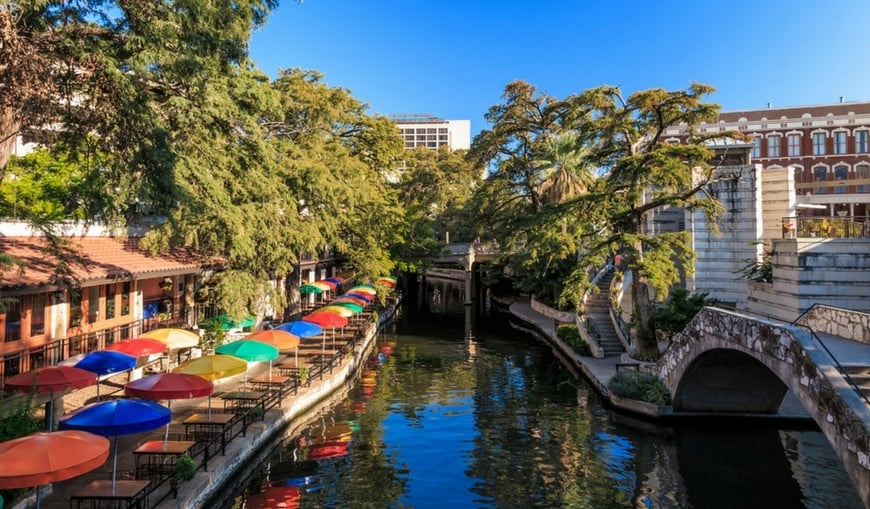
(644, 330)
(8, 132)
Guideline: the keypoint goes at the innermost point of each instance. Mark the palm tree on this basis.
(565, 168)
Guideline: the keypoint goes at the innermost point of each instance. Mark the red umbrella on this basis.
(326, 319)
(50, 380)
(274, 497)
(137, 347)
(169, 386)
(43, 458)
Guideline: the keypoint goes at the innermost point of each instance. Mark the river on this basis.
(461, 412)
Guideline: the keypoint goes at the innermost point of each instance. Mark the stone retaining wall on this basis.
(845, 323)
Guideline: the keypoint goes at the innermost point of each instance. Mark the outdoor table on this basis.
(103, 495)
(242, 401)
(155, 459)
(268, 382)
(205, 427)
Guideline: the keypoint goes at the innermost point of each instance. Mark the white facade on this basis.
(432, 132)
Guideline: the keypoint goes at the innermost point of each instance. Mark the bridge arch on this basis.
(727, 362)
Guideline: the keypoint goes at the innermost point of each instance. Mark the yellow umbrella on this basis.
(174, 338)
(213, 367)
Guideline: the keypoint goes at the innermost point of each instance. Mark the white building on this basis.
(421, 130)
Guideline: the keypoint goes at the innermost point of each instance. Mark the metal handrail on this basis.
(837, 364)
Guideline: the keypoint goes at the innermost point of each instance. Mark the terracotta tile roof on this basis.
(103, 258)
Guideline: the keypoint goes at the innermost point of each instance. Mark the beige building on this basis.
(420, 130)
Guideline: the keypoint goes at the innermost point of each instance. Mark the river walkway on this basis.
(223, 469)
(247, 436)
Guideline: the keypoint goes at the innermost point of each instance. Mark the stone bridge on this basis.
(725, 362)
(466, 254)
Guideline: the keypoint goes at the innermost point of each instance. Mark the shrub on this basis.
(571, 336)
(645, 356)
(640, 386)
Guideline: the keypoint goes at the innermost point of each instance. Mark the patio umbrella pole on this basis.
(114, 462)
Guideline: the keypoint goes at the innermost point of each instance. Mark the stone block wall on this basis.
(720, 258)
(845, 323)
(834, 272)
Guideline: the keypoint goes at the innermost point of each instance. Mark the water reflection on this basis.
(443, 419)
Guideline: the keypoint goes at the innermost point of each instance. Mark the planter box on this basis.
(640, 407)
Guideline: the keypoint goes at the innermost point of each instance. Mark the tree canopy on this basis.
(572, 183)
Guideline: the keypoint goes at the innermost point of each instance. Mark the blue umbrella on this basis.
(301, 329)
(117, 417)
(106, 362)
(364, 296)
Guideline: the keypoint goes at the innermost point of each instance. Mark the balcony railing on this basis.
(825, 227)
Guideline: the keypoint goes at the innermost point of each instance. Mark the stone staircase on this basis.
(860, 374)
(598, 313)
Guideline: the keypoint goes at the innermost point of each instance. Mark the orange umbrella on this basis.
(43, 458)
(280, 339)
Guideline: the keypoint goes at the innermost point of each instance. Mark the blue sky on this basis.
(453, 58)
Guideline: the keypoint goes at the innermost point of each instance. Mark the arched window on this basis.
(862, 173)
(820, 174)
(841, 173)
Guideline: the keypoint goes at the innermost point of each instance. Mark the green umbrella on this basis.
(227, 322)
(310, 289)
(356, 308)
(251, 351)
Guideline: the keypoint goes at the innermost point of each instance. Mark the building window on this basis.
(841, 173)
(861, 142)
(773, 144)
(75, 308)
(818, 144)
(756, 147)
(37, 314)
(93, 304)
(11, 365)
(862, 172)
(13, 319)
(111, 292)
(125, 298)
(840, 142)
(794, 145)
(820, 174)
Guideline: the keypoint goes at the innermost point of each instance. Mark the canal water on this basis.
(455, 411)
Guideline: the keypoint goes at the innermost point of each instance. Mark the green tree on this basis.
(434, 187)
(645, 173)
(334, 162)
(536, 157)
(678, 310)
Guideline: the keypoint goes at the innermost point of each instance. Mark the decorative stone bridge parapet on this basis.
(845, 323)
(725, 362)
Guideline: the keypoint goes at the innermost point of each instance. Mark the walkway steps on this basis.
(598, 313)
(860, 376)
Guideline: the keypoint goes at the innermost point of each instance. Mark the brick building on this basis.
(827, 146)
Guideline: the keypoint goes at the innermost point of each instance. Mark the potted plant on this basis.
(184, 470)
(303, 374)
